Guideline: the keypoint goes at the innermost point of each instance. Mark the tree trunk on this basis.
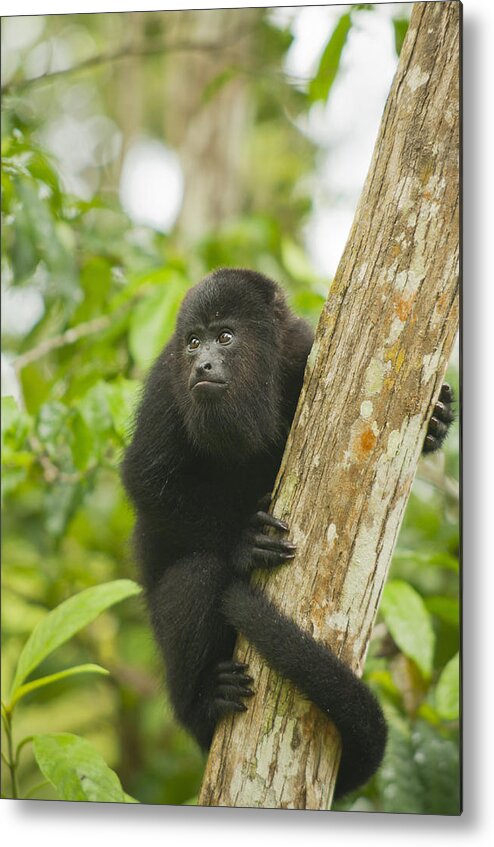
(375, 371)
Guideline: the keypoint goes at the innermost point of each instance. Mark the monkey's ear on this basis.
(265, 287)
(279, 298)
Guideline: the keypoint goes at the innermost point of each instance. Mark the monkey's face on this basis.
(208, 359)
(227, 365)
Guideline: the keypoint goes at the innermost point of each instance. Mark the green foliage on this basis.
(64, 621)
(69, 763)
(419, 774)
(448, 690)
(400, 26)
(75, 769)
(320, 85)
(153, 320)
(409, 623)
(20, 691)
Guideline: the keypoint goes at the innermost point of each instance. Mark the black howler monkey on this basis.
(209, 437)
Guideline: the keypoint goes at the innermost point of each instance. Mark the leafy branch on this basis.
(69, 763)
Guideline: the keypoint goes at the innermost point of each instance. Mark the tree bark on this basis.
(376, 368)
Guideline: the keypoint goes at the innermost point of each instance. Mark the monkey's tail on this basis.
(320, 676)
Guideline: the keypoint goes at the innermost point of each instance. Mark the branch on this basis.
(374, 373)
(70, 336)
(128, 51)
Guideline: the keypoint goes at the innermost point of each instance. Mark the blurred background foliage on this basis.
(91, 286)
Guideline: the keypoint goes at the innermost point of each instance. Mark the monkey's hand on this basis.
(231, 685)
(257, 549)
(441, 420)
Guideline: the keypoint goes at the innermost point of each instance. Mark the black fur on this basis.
(209, 437)
(441, 420)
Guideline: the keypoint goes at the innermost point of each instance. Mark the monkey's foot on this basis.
(232, 686)
(441, 420)
(257, 549)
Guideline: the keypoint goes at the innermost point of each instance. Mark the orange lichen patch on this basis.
(362, 440)
(367, 440)
(403, 307)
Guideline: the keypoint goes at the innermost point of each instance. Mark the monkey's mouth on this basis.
(208, 387)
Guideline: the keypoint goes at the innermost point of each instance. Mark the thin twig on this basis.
(7, 718)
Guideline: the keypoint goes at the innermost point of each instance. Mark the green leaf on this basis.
(446, 609)
(448, 690)
(320, 86)
(16, 460)
(96, 281)
(51, 422)
(10, 413)
(75, 769)
(15, 423)
(399, 785)
(153, 321)
(426, 560)
(400, 26)
(123, 395)
(409, 623)
(67, 619)
(95, 410)
(420, 770)
(54, 677)
(81, 439)
(437, 762)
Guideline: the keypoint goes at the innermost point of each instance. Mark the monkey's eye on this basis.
(225, 337)
(193, 343)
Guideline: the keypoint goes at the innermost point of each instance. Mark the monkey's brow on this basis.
(215, 325)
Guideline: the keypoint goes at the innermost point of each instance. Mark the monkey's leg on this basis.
(197, 643)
